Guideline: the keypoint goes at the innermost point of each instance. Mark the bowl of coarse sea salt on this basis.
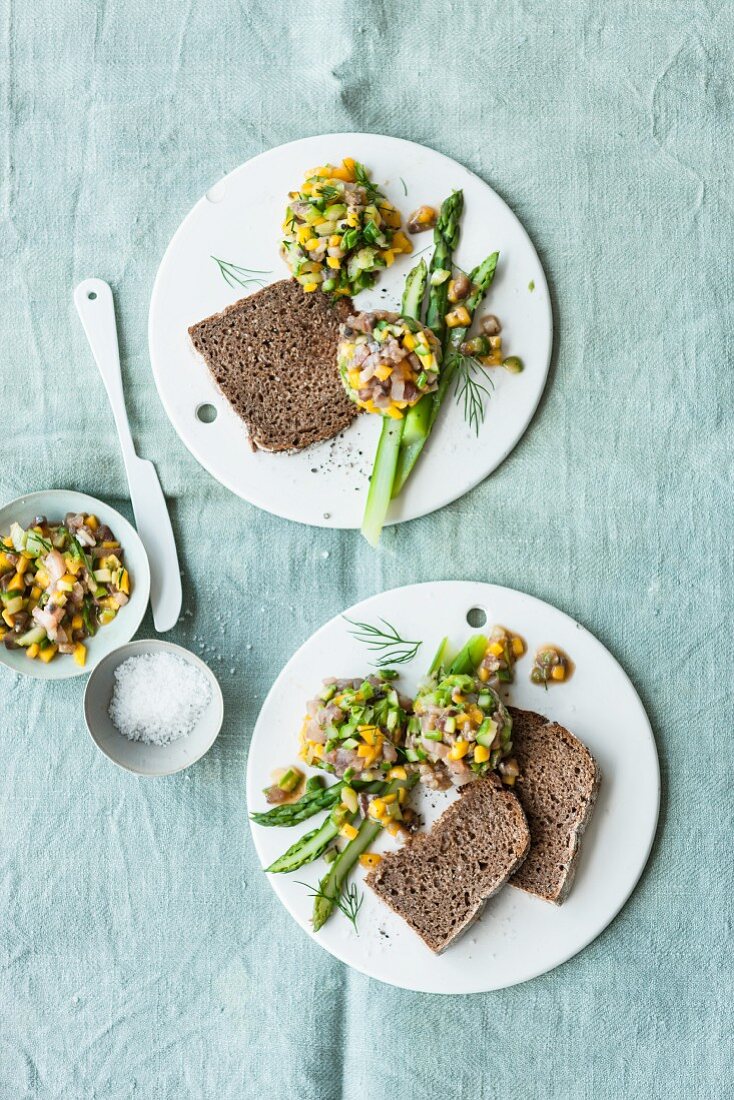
(153, 707)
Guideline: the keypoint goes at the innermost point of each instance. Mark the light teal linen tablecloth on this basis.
(142, 953)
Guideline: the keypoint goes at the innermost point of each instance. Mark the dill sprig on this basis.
(234, 275)
(349, 902)
(471, 392)
(391, 647)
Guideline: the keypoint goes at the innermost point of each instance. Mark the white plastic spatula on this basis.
(93, 300)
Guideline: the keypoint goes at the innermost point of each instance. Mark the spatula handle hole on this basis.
(476, 616)
(92, 295)
(207, 414)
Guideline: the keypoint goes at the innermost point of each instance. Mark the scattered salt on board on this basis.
(158, 697)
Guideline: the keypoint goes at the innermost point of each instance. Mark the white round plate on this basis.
(239, 221)
(518, 936)
(54, 504)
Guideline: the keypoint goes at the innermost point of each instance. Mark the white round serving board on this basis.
(518, 936)
(239, 221)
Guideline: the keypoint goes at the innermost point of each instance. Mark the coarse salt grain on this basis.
(158, 697)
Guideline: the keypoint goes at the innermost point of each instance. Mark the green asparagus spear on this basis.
(292, 813)
(335, 879)
(417, 423)
(413, 294)
(381, 481)
(422, 417)
(481, 280)
(333, 883)
(313, 844)
(383, 471)
(445, 239)
(308, 848)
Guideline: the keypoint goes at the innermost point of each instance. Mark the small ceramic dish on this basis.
(136, 756)
(55, 503)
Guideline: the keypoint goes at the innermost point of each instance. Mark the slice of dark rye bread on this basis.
(557, 787)
(439, 881)
(273, 356)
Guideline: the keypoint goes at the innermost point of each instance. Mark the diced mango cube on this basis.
(400, 242)
(370, 859)
(458, 317)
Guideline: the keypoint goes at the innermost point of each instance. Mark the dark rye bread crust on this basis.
(273, 356)
(557, 786)
(439, 881)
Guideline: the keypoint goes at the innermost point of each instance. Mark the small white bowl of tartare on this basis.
(74, 583)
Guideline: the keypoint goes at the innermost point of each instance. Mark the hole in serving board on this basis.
(207, 414)
(92, 295)
(476, 616)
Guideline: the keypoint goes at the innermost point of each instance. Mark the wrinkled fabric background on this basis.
(142, 954)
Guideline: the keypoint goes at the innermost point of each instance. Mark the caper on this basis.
(514, 364)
